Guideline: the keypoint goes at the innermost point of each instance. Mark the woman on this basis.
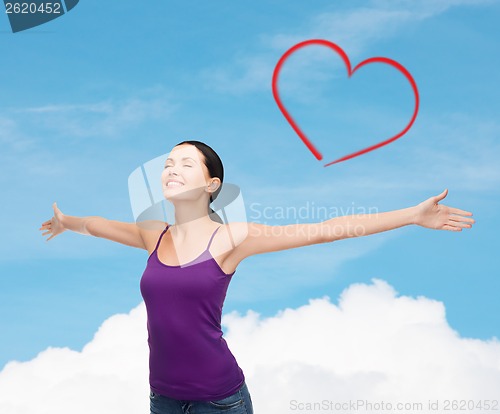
(190, 266)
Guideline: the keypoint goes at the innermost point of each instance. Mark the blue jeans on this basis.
(238, 403)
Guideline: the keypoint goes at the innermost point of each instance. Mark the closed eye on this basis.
(185, 165)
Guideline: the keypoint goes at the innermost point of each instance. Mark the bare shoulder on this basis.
(150, 232)
(249, 239)
(236, 233)
(233, 234)
(230, 235)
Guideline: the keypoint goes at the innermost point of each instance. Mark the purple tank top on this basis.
(188, 357)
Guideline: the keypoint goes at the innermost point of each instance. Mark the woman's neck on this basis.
(190, 217)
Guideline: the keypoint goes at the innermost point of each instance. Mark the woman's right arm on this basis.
(117, 231)
(129, 234)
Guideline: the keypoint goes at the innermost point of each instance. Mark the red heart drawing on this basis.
(350, 72)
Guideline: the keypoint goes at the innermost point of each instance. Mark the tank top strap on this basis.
(159, 238)
(211, 238)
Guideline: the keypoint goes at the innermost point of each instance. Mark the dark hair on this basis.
(215, 169)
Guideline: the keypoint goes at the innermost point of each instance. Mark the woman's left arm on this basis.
(253, 238)
(427, 214)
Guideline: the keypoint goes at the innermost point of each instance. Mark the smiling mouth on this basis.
(174, 184)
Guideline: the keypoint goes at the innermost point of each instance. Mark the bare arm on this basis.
(344, 227)
(255, 238)
(427, 214)
(78, 224)
(129, 234)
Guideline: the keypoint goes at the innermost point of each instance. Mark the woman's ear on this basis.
(214, 184)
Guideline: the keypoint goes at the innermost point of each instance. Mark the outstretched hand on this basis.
(53, 226)
(436, 216)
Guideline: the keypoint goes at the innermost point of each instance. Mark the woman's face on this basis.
(185, 175)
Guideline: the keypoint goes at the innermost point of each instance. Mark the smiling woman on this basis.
(192, 262)
(196, 170)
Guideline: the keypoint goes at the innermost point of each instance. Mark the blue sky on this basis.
(89, 97)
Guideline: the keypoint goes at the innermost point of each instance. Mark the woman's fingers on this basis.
(458, 211)
(459, 224)
(462, 219)
(439, 197)
(457, 215)
(451, 227)
(47, 225)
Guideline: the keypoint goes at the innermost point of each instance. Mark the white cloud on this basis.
(353, 30)
(373, 346)
(101, 118)
(109, 375)
(427, 8)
